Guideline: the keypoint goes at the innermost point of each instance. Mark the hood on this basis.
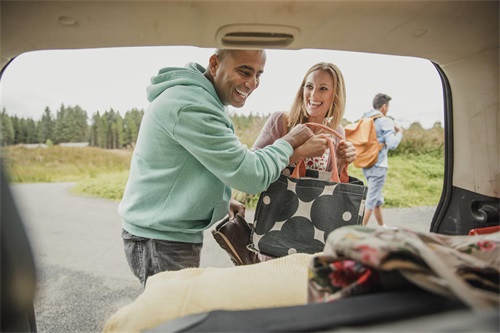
(371, 113)
(191, 74)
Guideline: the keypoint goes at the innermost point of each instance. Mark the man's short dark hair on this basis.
(224, 53)
(379, 100)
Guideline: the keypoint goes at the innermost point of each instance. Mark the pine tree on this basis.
(132, 123)
(46, 127)
(31, 131)
(6, 129)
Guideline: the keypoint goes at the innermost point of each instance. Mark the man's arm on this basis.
(392, 134)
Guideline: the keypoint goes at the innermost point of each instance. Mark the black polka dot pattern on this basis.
(296, 215)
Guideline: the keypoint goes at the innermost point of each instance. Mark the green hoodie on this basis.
(187, 158)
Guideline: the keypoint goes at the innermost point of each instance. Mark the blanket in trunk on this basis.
(169, 295)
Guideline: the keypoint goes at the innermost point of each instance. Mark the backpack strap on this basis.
(375, 117)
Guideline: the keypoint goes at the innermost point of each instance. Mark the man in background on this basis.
(390, 136)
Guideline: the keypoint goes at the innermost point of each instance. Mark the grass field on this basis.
(413, 180)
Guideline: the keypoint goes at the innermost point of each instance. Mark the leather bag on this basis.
(233, 236)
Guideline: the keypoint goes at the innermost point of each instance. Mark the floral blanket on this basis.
(359, 260)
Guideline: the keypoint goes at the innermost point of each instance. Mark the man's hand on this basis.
(298, 135)
(315, 146)
(236, 207)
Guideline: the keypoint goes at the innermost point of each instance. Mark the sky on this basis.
(116, 78)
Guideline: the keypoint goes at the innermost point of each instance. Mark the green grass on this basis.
(416, 167)
(108, 186)
(413, 180)
(62, 164)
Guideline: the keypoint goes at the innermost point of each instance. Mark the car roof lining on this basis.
(414, 28)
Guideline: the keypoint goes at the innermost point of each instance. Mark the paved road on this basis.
(82, 274)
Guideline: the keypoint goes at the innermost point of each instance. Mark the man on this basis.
(390, 136)
(187, 158)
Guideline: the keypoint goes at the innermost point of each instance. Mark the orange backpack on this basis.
(363, 136)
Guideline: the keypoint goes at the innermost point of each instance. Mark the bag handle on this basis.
(300, 168)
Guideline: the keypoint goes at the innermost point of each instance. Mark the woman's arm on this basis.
(272, 131)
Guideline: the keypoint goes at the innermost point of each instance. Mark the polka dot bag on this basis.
(298, 211)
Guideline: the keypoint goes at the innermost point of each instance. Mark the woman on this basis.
(320, 99)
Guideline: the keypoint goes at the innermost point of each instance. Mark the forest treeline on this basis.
(109, 130)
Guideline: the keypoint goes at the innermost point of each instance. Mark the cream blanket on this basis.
(170, 295)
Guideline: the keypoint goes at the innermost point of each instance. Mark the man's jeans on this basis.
(147, 257)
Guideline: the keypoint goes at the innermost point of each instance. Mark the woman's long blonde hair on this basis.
(298, 114)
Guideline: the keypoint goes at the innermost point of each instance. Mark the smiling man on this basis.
(187, 158)
(235, 74)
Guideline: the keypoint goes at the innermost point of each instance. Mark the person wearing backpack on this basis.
(389, 135)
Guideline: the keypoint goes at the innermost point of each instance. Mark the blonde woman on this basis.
(320, 99)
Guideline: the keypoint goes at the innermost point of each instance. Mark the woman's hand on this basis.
(346, 152)
(315, 146)
(236, 207)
